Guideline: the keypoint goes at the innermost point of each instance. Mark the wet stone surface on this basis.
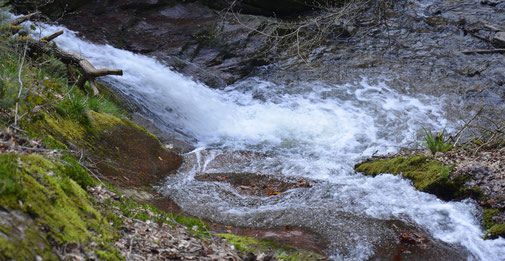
(255, 184)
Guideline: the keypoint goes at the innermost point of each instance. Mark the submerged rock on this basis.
(255, 184)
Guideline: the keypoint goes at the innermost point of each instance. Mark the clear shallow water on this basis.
(307, 129)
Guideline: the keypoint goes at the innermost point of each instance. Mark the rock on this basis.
(279, 8)
(128, 154)
(187, 36)
(255, 184)
(54, 10)
(499, 39)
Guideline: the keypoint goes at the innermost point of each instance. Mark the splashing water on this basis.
(314, 130)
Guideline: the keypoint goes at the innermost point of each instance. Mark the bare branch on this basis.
(52, 36)
(20, 85)
(22, 19)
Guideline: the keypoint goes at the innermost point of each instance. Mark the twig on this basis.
(20, 85)
(460, 133)
(483, 51)
(92, 173)
(131, 244)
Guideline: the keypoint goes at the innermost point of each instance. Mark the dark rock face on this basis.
(186, 35)
(277, 8)
(53, 9)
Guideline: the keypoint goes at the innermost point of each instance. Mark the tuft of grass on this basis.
(436, 143)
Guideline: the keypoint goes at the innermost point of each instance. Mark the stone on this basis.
(499, 39)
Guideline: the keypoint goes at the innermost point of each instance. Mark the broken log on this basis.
(52, 36)
(88, 72)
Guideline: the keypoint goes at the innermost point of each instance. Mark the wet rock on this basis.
(499, 39)
(168, 139)
(271, 8)
(188, 36)
(255, 184)
(54, 9)
(128, 155)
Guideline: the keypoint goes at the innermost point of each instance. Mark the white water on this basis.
(315, 130)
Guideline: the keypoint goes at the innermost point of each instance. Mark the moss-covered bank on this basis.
(431, 176)
(43, 207)
(427, 175)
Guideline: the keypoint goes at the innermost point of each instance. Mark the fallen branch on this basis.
(52, 36)
(22, 19)
(483, 51)
(460, 133)
(88, 72)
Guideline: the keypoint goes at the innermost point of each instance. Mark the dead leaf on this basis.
(271, 193)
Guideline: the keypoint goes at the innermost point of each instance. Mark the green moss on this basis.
(487, 217)
(26, 246)
(51, 143)
(495, 232)
(111, 254)
(426, 174)
(68, 129)
(133, 209)
(73, 170)
(249, 244)
(42, 188)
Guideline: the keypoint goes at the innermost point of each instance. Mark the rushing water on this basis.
(315, 130)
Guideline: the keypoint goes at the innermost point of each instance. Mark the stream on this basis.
(315, 130)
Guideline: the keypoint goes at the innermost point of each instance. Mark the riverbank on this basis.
(466, 172)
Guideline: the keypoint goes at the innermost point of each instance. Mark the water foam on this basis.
(316, 130)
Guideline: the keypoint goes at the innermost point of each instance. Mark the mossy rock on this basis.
(124, 152)
(427, 175)
(495, 232)
(252, 245)
(42, 207)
